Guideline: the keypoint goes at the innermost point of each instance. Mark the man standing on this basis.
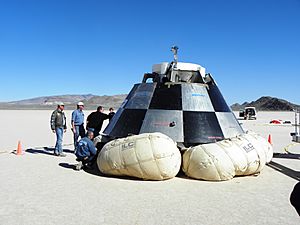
(78, 123)
(86, 152)
(95, 120)
(58, 126)
(111, 113)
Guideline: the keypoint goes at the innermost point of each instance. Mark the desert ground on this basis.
(39, 188)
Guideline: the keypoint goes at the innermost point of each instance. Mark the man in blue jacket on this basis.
(86, 151)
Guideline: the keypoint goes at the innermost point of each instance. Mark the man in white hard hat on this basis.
(78, 123)
(58, 126)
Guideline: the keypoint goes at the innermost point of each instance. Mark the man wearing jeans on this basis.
(86, 152)
(78, 123)
(58, 126)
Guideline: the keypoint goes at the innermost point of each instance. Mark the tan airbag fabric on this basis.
(242, 155)
(150, 156)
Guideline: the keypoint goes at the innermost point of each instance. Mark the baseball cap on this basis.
(80, 103)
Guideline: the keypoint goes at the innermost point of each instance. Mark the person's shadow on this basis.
(67, 165)
(286, 155)
(65, 150)
(38, 151)
(45, 150)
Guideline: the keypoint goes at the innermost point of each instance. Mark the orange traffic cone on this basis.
(270, 139)
(19, 149)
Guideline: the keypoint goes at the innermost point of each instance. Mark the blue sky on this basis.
(53, 47)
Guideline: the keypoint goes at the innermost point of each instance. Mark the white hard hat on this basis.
(80, 103)
(60, 103)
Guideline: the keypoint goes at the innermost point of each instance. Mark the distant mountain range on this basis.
(92, 101)
(70, 101)
(267, 103)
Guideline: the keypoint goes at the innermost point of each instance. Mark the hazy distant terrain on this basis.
(92, 101)
(70, 101)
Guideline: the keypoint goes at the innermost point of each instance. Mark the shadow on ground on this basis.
(286, 156)
(45, 150)
(64, 150)
(96, 172)
(67, 165)
(285, 170)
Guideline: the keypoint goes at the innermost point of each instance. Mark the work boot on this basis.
(62, 155)
(78, 166)
(88, 166)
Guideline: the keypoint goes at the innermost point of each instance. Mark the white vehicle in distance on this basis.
(249, 113)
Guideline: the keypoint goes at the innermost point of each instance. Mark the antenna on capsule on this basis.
(174, 49)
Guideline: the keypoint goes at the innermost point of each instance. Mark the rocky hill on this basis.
(50, 100)
(267, 103)
(92, 101)
(70, 101)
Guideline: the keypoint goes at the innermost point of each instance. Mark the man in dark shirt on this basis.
(111, 113)
(95, 120)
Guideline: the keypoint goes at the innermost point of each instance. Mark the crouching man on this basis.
(86, 152)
